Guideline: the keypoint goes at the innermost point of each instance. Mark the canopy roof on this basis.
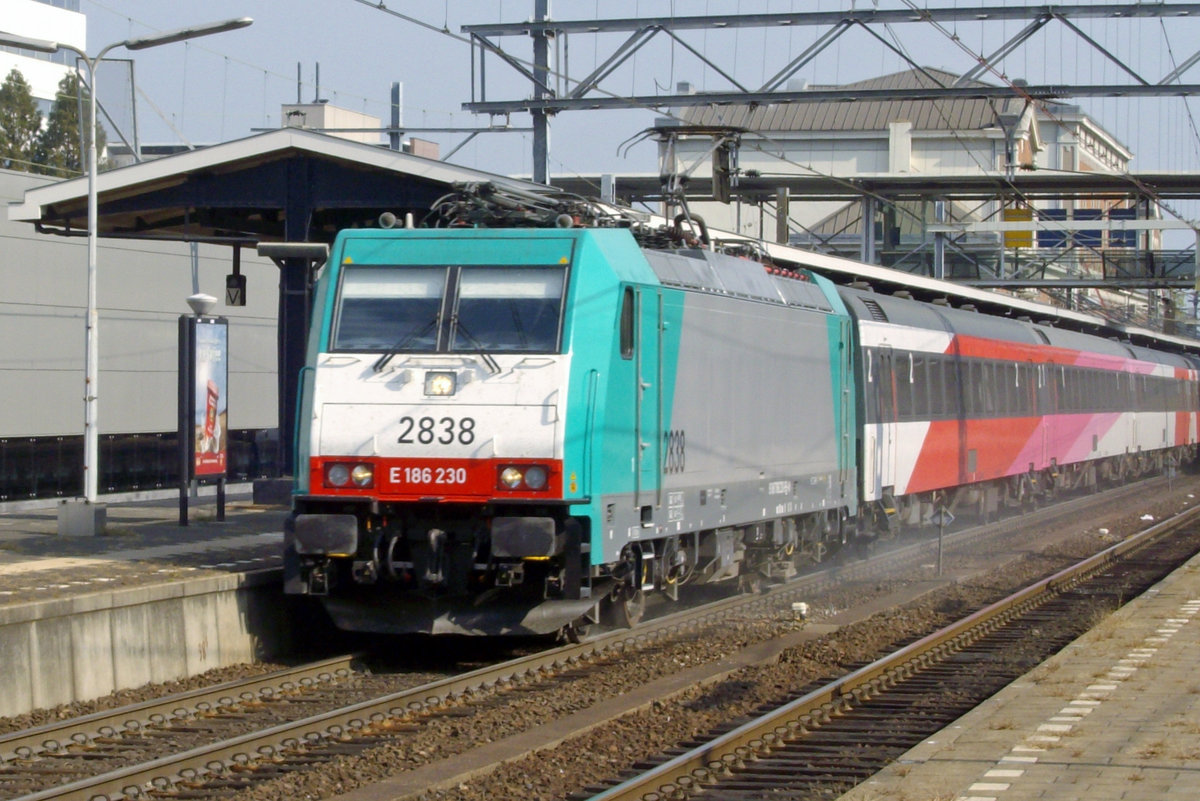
(241, 191)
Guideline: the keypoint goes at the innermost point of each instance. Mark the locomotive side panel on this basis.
(709, 409)
(757, 388)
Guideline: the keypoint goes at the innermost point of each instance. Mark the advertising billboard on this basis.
(210, 392)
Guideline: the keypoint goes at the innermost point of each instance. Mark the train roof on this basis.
(704, 270)
(886, 281)
(868, 305)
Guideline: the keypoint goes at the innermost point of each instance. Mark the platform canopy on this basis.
(244, 191)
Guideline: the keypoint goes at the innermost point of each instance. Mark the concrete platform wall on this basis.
(81, 648)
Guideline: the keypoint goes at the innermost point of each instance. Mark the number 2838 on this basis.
(444, 430)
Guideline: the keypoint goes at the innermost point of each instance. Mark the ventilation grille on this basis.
(877, 312)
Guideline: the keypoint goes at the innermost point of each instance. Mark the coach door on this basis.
(648, 394)
(885, 393)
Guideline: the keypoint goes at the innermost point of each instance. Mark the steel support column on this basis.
(541, 73)
(867, 252)
(294, 306)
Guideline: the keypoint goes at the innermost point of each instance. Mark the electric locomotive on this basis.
(524, 430)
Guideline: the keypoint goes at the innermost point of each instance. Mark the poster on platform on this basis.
(211, 398)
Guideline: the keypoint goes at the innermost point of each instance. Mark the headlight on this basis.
(437, 383)
(362, 475)
(337, 475)
(510, 478)
(528, 477)
(341, 474)
(535, 477)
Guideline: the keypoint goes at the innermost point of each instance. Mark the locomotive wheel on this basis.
(576, 632)
(750, 584)
(624, 608)
(981, 509)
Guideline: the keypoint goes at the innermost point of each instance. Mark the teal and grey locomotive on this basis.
(525, 430)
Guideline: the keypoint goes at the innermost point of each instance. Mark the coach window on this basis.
(627, 323)
(1012, 385)
(904, 397)
(939, 373)
(950, 392)
(968, 372)
(986, 387)
(1028, 390)
(920, 388)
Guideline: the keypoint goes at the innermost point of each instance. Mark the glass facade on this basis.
(64, 57)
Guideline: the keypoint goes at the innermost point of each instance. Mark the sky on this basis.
(224, 86)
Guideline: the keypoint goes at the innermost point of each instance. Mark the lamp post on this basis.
(85, 521)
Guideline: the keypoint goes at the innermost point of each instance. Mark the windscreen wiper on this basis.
(401, 344)
(491, 364)
(517, 326)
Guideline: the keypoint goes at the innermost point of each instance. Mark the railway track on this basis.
(837, 734)
(213, 743)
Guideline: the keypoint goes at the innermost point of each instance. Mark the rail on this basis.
(685, 773)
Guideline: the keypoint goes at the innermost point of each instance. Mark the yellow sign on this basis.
(1018, 239)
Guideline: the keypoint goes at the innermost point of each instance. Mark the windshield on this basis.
(382, 308)
(449, 309)
(507, 309)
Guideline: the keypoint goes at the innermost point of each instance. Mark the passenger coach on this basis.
(993, 412)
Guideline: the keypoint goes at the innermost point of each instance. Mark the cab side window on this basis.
(626, 324)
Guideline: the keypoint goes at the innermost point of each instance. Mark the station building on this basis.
(58, 20)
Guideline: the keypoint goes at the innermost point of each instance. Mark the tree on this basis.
(59, 150)
(20, 123)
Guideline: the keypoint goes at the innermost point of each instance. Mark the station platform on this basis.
(142, 542)
(146, 601)
(1116, 715)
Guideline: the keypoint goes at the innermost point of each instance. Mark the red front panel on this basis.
(444, 480)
